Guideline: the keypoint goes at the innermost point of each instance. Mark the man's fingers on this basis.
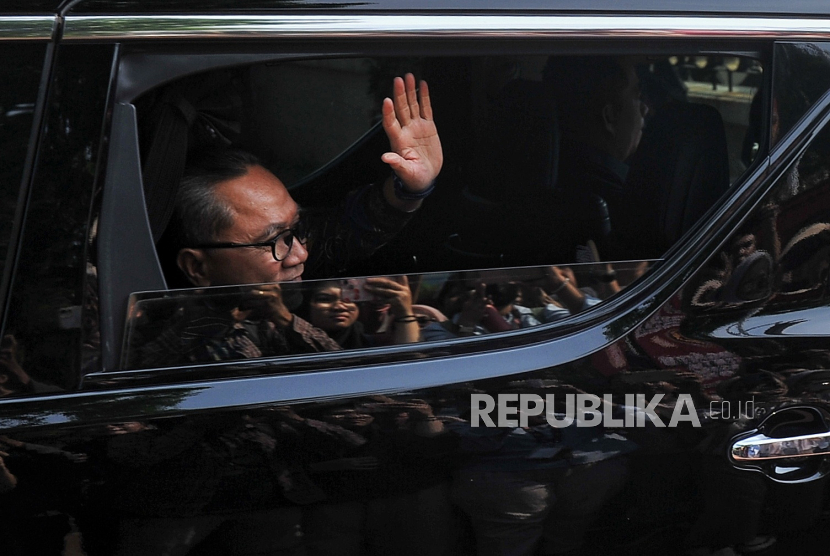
(400, 101)
(394, 160)
(390, 121)
(383, 286)
(412, 96)
(426, 105)
(406, 101)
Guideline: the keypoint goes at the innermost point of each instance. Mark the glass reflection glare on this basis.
(241, 322)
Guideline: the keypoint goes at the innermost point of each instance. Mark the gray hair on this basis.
(199, 215)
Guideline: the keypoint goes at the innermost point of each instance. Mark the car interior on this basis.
(498, 204)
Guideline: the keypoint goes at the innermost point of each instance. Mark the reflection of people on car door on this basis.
(474, 307)
(36, 499)
(329, 310)
(536, 489)
(470, 311)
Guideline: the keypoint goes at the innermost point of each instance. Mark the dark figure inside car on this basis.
(235, 222)
(601, 116)
(230, 210)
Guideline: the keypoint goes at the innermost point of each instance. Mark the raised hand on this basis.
(394, 291)
(416, 156)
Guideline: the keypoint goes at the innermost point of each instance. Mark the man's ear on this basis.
(194, 266)
(609, 119)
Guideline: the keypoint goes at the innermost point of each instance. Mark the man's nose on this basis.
(643, 109)
(298, 255)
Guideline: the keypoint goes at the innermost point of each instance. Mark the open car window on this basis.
(17, 106)
(506, 124)
(300, 117)
(523, 184)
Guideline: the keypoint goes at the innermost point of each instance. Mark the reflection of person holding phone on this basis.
(335, 315)
(332, 307)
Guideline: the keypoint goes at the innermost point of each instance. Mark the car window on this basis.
(731, 85)
(21, 76)
(264, 320)
(52, 313)
(308, 112)
(549, 161)
(800, 79)
(773, 271)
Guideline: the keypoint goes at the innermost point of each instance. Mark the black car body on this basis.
(704, 374)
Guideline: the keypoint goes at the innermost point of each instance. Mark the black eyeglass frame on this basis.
(299, 232)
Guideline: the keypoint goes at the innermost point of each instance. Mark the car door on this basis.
(678, 407)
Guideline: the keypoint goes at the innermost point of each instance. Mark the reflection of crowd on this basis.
(387, 317)
(537, 489)
(373, 476)
(378, 476)
(370, 476)
(280, 319)
(339, 479)
(475, 305)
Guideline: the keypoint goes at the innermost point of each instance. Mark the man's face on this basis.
(261, 208)
(629, 116)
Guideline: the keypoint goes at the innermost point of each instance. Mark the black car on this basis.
(604, 331)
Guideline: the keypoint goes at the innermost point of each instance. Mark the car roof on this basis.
(737, 8)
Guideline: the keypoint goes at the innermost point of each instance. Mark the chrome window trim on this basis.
(27, 27)
(96, 27)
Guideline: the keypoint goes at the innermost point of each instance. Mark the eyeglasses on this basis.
(280, 244)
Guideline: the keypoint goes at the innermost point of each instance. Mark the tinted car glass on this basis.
(682, 410)
(21, 74)
(505, 135)
(733, 85)
(801, 79)
(207, 325)
(307, 113)
(263, 109)
(778, 260)
(55, 284)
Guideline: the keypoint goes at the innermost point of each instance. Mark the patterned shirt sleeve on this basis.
(304, 337)
(215, 338)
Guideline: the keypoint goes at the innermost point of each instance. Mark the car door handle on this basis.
(760, 447)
